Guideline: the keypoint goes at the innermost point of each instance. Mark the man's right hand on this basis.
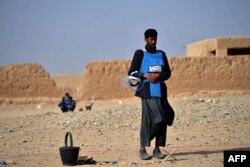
(152, 77)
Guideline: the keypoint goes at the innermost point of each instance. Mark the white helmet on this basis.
(133, 81)
(130, 82)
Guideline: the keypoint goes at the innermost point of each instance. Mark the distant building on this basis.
(222, 46)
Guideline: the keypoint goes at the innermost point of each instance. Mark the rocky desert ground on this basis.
(210, 96)
(31, 135)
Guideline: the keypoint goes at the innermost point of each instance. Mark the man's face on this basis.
(151, 42)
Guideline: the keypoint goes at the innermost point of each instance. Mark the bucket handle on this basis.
(66, 139)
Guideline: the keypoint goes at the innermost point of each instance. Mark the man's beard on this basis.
(152, 46)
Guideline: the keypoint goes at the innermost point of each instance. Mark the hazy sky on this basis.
(65, 35)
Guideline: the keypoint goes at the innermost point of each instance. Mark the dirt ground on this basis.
(203, 128)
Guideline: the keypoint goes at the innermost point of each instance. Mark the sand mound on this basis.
(190, 76)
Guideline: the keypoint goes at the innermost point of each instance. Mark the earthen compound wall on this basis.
(102, 80)
(27, 80)
(190, 75)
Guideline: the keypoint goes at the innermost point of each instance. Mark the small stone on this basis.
(124, 163)
(10, 162)
(133, 163)
(201, 100)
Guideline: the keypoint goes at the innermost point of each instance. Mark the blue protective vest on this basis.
(151, 60)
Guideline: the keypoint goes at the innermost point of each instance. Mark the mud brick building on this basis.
(222, 46)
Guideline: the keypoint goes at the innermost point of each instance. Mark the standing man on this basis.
(151, 66)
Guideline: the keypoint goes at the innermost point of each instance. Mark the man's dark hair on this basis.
(150, 33)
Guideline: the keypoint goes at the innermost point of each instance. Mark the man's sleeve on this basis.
(136, 64)
(166, 72)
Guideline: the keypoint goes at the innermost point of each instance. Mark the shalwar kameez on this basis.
(153, 94)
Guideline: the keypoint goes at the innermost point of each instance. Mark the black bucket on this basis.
(69, 154)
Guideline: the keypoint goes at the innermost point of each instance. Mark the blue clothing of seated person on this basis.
(67, 104)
